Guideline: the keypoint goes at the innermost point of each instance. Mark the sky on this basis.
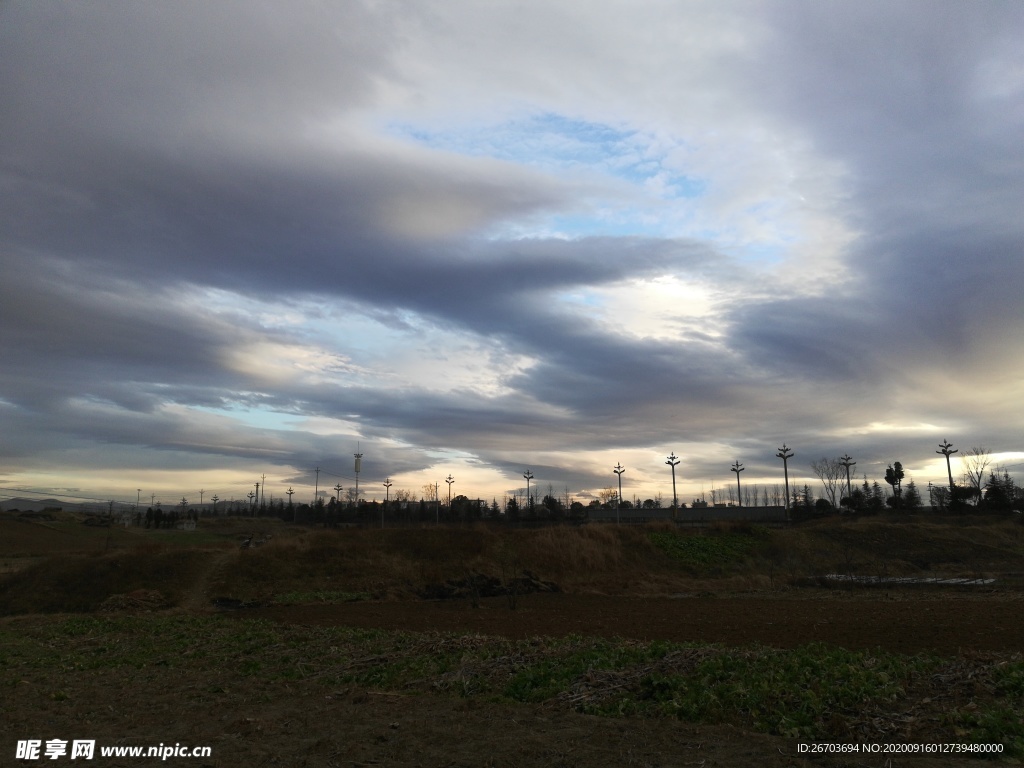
(244, 239)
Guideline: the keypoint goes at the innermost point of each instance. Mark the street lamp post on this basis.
(737, 468)
(358, 466)
(529, 499)
(618, 470)
(946, 448)
(785, 454)
(848, 462)
(449, 480)
(672, 461)
(387, 498)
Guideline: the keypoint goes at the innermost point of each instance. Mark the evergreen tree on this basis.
(1000, 493)
(911, 497)
(856, 501)
(876, 501)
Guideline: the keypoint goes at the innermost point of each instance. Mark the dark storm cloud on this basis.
(917, 102)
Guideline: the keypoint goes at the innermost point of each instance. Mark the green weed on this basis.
(813, 692)
(704, 551)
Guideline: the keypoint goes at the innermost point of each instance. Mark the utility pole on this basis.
(215, 498)
(289, 492)
(785, 454)
(946, 449)
(450, 480)
(737, 468)
(316, 487)
(257, 502)
(618, 470)
(848, 462)
(263, 498)
(387, 498)
(337, 490)
(672, 461)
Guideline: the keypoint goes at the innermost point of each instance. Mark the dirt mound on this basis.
(234, 604)
(82, 584)
(139, 600)
(477, 585)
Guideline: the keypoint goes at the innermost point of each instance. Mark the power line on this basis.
(62, 496)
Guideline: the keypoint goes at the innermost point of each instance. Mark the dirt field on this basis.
(898, 621)
(258, 693)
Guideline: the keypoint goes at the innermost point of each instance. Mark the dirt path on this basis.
(941, 623)
(198, 597)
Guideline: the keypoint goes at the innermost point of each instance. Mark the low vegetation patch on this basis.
(704, 551)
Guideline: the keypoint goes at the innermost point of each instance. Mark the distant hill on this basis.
(34, 505)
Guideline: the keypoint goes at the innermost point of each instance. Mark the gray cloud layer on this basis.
(152, 153)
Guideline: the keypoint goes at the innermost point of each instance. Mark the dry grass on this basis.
(398, 563)
(81, 583)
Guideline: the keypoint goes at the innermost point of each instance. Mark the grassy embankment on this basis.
(65, 566)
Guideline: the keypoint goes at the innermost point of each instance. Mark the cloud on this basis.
(507, 235)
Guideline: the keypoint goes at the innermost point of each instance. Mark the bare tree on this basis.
(750, 495)
(976, 461)
(832, 474)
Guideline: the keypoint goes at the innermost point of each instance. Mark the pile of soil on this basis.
(478, 585)
(138, 600)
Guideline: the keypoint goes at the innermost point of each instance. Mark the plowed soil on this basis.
(906, 621)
